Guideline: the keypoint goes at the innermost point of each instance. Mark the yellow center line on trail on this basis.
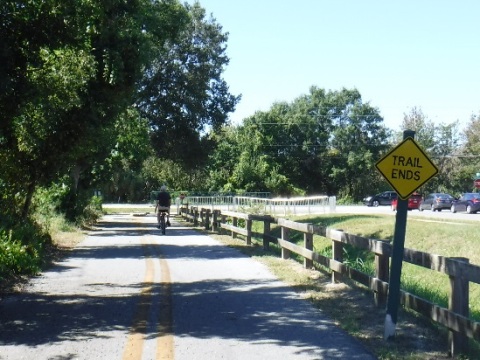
(134, 347)
(165, 344)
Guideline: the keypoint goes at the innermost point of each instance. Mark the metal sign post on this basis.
(406, 168)
(393, 299)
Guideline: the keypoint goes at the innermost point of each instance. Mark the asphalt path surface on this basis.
(128, 292)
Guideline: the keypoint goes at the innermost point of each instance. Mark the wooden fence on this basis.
(460, 272)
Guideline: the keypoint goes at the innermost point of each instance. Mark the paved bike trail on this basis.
(180, 296)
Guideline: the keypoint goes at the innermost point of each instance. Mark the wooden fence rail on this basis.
(460, 271)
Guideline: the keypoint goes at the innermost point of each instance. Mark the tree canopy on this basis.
(183, 94)
(66, 85)
(321, 143)
(127, 95)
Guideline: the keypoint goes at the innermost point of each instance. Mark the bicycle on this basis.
(162, 223)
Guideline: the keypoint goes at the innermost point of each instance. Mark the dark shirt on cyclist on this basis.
(164, 199)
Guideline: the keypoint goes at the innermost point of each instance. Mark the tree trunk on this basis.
(76, 171)
(28, 199)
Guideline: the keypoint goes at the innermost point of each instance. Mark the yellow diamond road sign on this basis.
(406, 168)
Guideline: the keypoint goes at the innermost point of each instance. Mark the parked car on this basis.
(384, 198)
(436, 202)
(413, 202)
(469, 202)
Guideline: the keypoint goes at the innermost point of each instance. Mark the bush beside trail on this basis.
(28, 246)
(22, 250)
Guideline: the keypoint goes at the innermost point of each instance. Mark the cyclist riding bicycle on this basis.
(163, 204)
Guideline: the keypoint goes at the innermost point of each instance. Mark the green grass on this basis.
(451, 239)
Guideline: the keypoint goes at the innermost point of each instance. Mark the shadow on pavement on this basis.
(257, 311)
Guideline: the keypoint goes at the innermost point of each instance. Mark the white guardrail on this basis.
(319, 204)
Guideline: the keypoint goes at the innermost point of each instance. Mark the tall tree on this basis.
(124, 38)
(440, 142)
(64, 83)
(46, 64)
(323, 142)
(223, 158)
(469, 156)
(445, 156)
(183, 94)
(424, 128)
(118, 174)
(359, 138)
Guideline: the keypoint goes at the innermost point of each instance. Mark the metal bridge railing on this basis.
(319, 204)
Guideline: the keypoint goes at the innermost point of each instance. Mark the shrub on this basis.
(46, 203)
(91, 212)
(25, 243)
(345, 200)
(22, 249)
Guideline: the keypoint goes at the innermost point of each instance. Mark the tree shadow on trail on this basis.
(253, 308)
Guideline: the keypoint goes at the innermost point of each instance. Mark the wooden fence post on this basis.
(382, 272)
(215, 220)
(308, 244)
(234, 223)
(192, 215)
(337, 255)
(285, 252)
(458, 303)
(266, 232)
(195, 217)
(223, 221)
(249, 231)
(207, 219)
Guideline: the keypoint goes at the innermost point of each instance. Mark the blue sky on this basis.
(398, 54)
